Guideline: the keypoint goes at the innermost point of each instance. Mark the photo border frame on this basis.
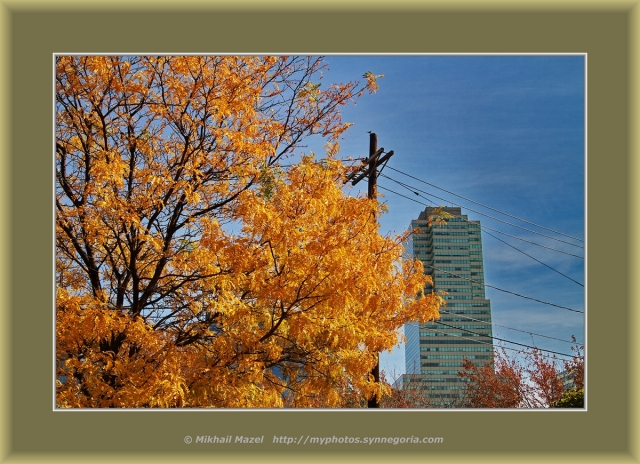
(32, 30)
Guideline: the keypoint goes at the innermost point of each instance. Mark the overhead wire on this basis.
(496, 338)
(484, 227)
(442, 311)
(486, 215)
(505, 291)
(399, 194)
(533, 243)
(500, 339)
(410, 188)
(488, 207)
(546, 265)
(513, 236)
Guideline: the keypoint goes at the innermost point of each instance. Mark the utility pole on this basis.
(370, 168)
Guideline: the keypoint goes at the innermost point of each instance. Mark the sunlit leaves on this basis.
(195, 271)
(371, 78)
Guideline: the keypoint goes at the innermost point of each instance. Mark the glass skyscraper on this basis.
(452, 255)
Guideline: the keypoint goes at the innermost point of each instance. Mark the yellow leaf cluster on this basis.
(192, 269)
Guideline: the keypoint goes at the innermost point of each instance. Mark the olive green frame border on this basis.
(31, 30)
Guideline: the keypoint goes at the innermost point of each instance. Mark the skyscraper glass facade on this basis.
(452, 255)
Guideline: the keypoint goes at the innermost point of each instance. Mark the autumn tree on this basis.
(493, 385)
(193, 267)
(544, 376)
(509, 384)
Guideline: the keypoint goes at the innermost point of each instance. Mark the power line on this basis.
(505, 327)
(503, 290)
(485, 227)
(488, 343)
(533, 243)
(486, 215)
(399, 194)
(408, 187)
(517, 249)
(501, 339)
(488, 207)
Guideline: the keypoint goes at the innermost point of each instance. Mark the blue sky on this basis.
(504, 131)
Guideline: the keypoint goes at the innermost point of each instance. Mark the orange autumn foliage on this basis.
(545, 378)
(192, 268)
(506, 383)
(493, 385)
